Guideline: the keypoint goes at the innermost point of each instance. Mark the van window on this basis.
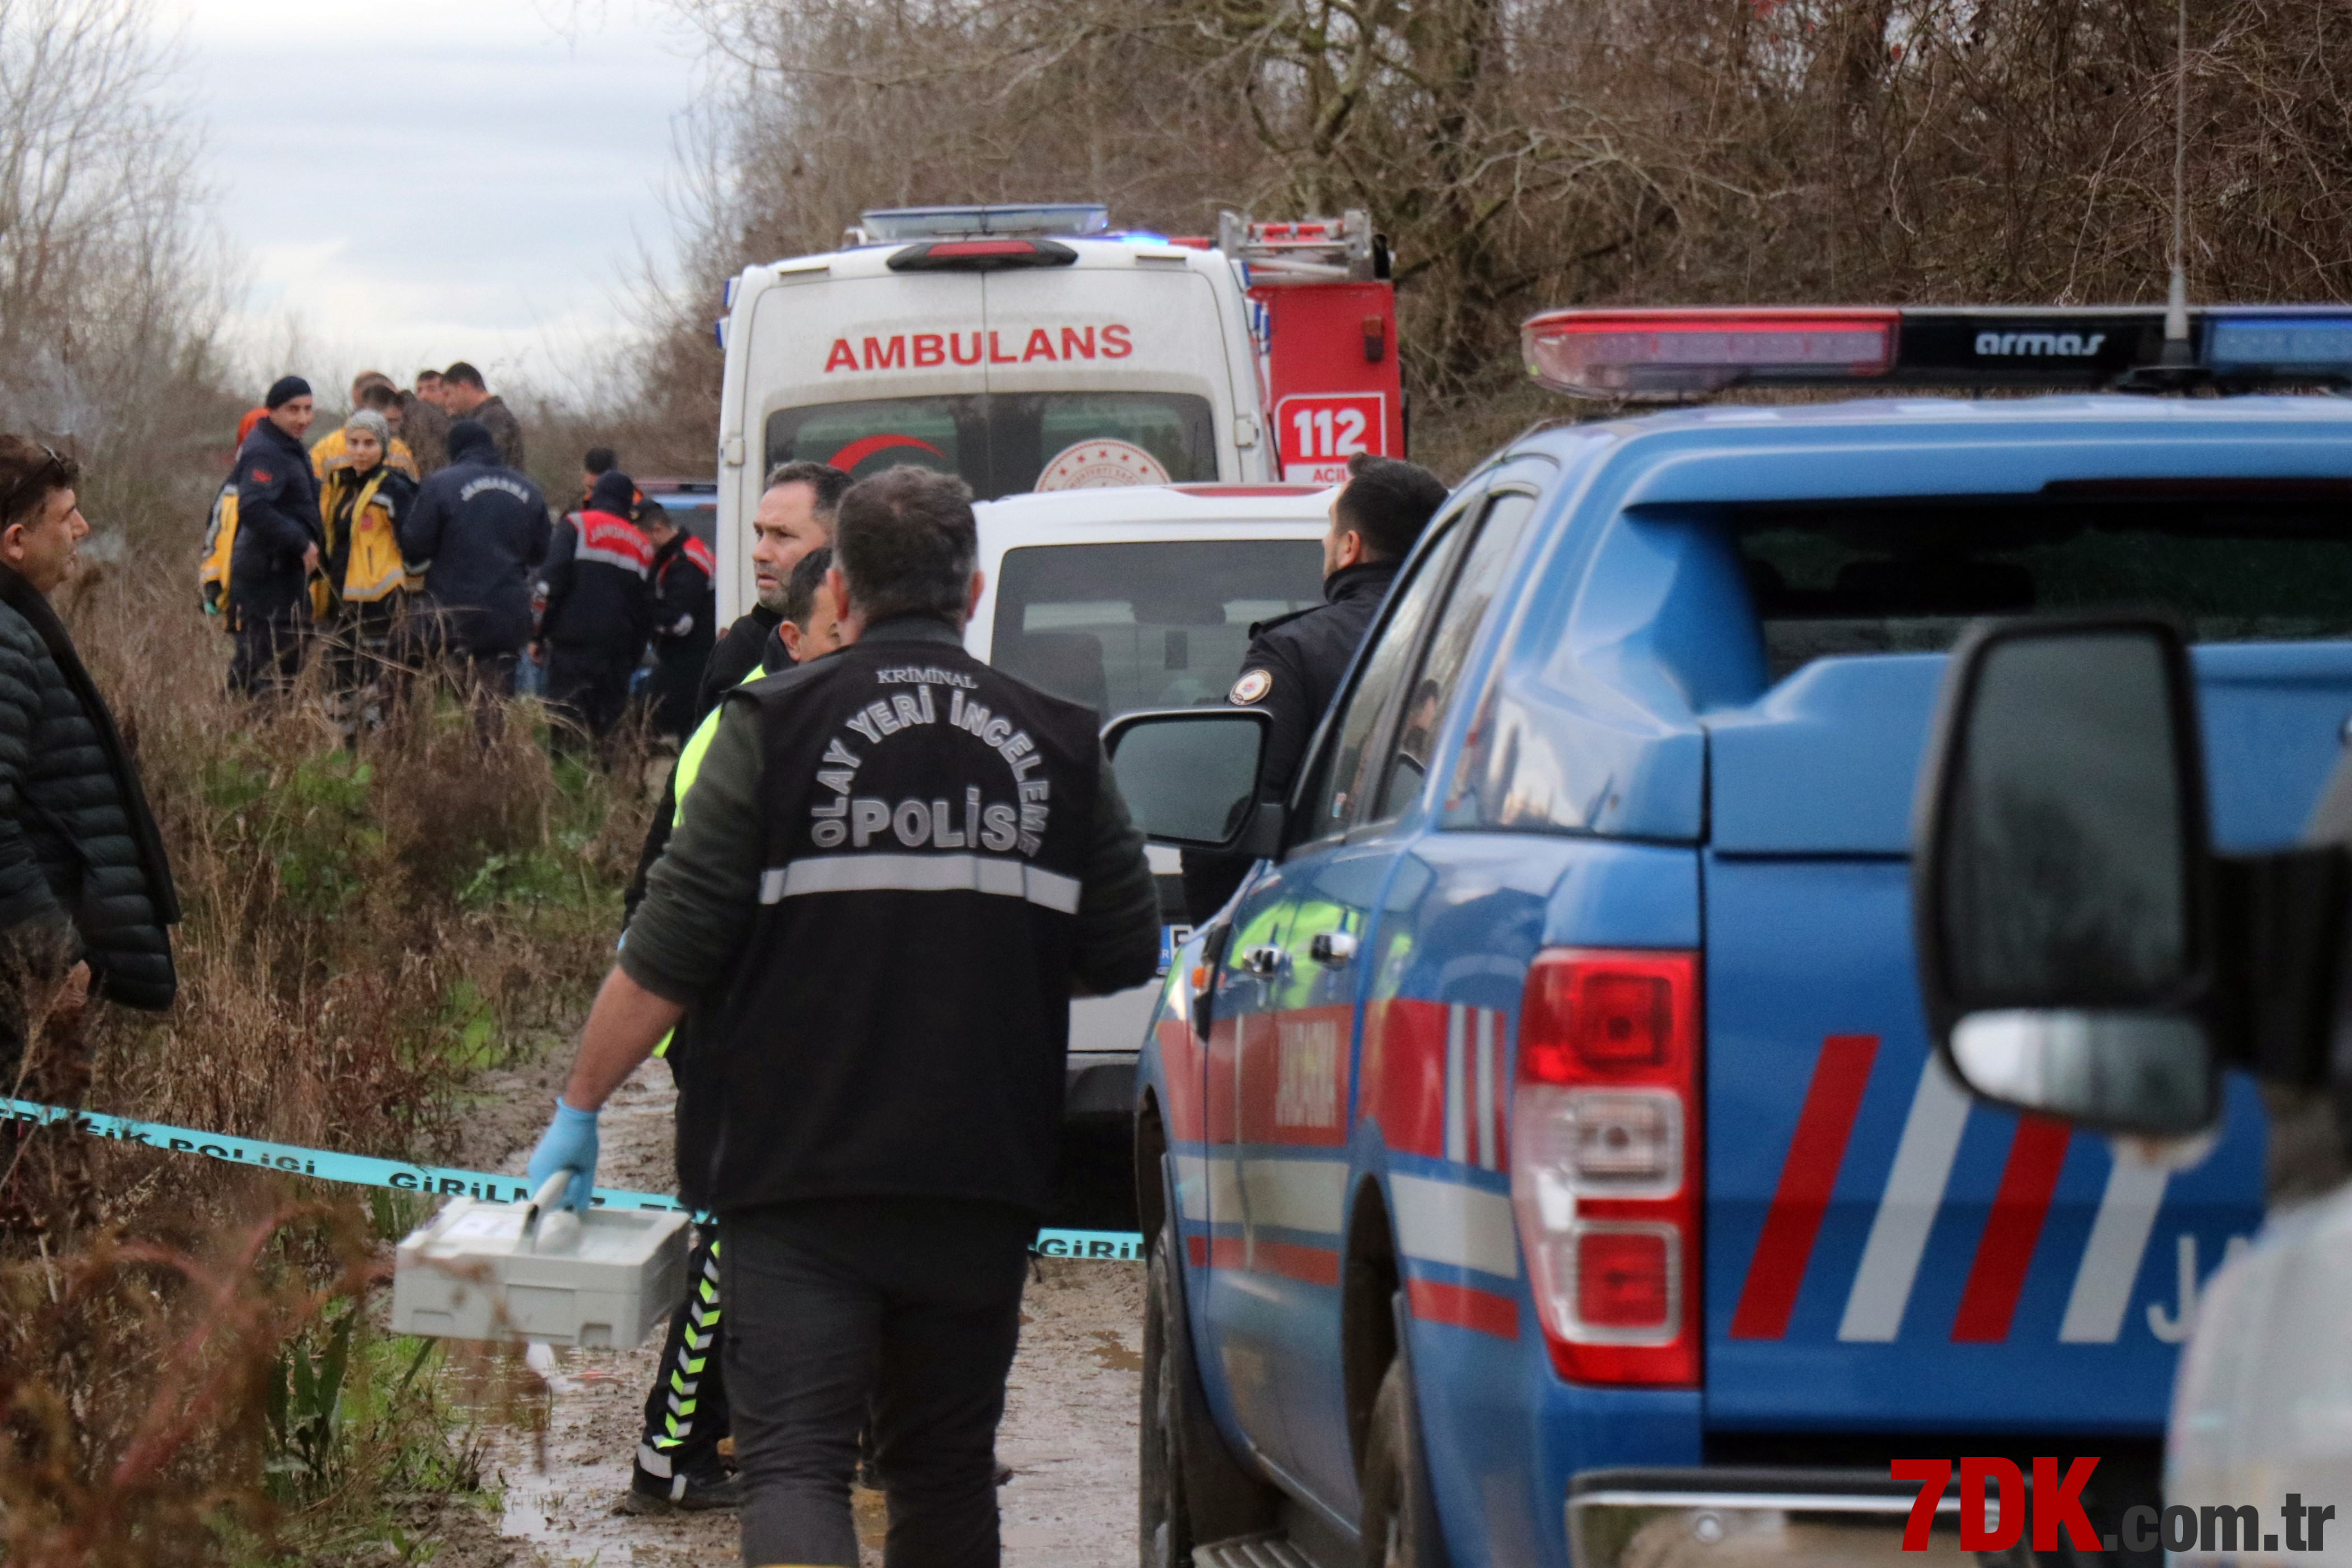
(1003, 443)
(1895, 577)
(1160, 624)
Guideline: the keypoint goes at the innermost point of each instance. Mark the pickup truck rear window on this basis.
(1882, 577)
(1158, 624)
(1005, 443)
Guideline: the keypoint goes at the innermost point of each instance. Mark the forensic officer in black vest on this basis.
(1295, 661)
(894, 869)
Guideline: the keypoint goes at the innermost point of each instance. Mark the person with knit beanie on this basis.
(278, 537)
(357, 597)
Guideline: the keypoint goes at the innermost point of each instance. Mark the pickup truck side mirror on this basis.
(2062, 884)
(1190, 776)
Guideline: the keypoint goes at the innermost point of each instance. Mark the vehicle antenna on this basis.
(2175, 305)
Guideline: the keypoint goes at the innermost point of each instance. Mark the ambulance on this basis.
(1034, 349)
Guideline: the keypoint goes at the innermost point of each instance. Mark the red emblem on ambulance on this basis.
(1094, 465)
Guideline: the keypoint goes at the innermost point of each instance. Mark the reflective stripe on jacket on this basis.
(614, 542)
(896, 1017)
(373, 569)
(599, 584)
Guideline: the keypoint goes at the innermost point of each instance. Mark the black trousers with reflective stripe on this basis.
(686, 1413)
(907, 1308)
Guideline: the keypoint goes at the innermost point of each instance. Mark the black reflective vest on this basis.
(897, 1020)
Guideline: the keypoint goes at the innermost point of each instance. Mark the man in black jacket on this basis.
(1296, 661)
(86, 895)
(795, 516)
(943, 853)
(477, 530)
(278, 533)
(685, 604)
(599, 608)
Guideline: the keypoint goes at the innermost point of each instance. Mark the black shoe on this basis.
(701, 1490)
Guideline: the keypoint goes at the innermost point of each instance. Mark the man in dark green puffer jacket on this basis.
(86, 892)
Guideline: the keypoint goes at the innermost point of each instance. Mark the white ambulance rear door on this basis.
(1121, 369)
(861, 367)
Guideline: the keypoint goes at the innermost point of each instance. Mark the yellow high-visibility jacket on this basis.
(375, 569)
(220, 538)
(698, 746)
(689, 763)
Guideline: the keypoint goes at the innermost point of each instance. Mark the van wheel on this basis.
(1191, 1490)
(1400, 1519)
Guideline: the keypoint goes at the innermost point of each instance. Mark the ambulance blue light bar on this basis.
(1652, 353)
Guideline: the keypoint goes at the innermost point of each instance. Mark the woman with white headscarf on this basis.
(356, 597)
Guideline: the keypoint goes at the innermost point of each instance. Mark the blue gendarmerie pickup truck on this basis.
(1542, 1158)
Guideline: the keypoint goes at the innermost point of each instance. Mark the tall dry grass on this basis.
(364, 928)
(367, 929)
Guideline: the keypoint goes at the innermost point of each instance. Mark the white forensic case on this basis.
(495, 1272)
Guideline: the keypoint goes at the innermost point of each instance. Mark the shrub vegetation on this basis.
(191, 1367)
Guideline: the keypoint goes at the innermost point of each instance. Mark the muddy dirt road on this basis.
(1069, 1430)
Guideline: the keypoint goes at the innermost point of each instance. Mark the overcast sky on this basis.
(430, 180)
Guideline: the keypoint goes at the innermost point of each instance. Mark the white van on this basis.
(1025, 349)
(1139, 597)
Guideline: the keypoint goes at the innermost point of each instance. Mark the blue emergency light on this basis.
(2279, 346)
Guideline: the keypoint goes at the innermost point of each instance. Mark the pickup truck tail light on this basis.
(1605, 1174)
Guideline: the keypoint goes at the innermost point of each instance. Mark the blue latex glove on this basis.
(568, 1144)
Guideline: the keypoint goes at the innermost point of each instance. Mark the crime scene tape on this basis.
(437, 1181)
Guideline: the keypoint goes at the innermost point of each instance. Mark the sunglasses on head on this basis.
(54, 473)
